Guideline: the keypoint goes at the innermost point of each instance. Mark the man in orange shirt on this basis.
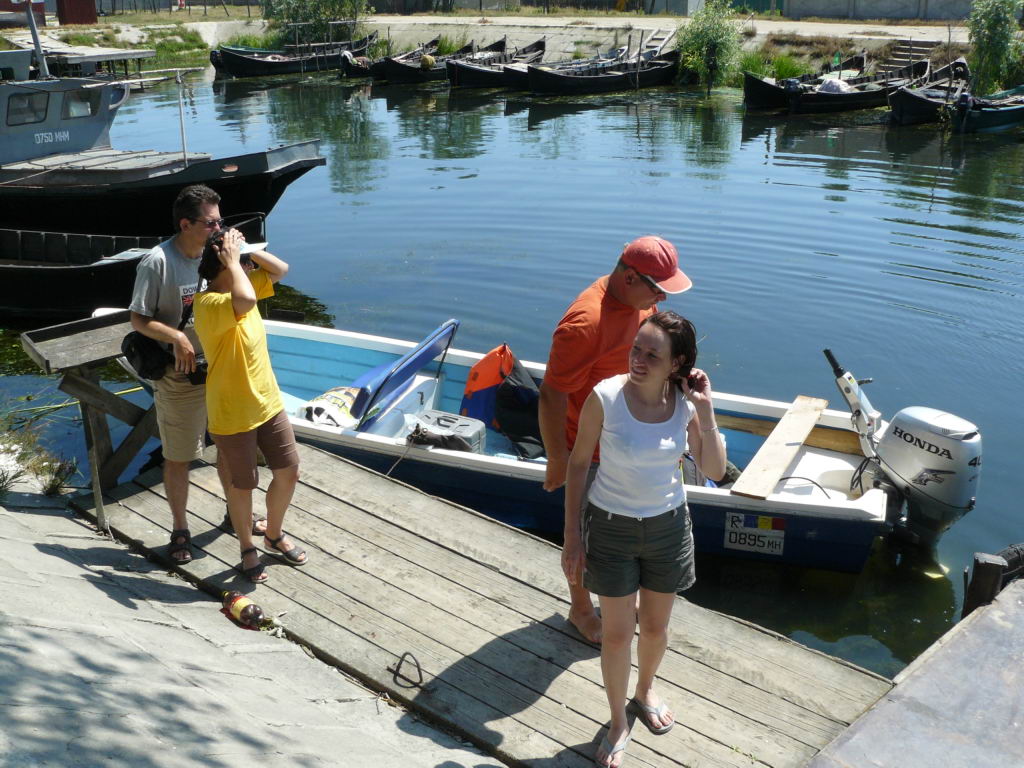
(590, 344)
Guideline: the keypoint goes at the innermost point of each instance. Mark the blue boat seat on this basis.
(381, 386)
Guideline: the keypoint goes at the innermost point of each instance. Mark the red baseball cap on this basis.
(657, 258)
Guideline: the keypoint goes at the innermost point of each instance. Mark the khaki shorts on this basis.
(237, 453)
(625, 553)
(180, 416)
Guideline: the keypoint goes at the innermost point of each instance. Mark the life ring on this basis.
(1014, 557)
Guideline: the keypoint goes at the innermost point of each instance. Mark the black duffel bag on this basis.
(147, 356)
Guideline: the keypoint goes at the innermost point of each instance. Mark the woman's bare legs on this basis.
(618, 623)
(655, 612)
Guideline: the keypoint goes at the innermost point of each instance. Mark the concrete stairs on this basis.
(907, 52)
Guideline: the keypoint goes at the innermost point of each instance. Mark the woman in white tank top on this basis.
(634, 546)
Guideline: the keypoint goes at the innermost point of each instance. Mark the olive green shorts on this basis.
(626, 553)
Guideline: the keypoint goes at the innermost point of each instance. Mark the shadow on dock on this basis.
(462, 619)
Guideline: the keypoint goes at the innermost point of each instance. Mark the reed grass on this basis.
(8, 477)
(53, 473)
(449, 45)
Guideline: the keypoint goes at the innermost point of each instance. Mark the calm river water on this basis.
(900, 249)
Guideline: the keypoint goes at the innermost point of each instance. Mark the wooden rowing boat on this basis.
(355, 67)
(470, 73)
(768, 93)
(413, 70)
(239, 63)
(629, 74)
(864, 92)
(928, 102)
(997, 112)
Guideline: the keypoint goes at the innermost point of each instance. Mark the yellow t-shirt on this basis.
(241, 391)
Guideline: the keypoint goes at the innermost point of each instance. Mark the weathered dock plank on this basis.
(958, 704)
(481, 608)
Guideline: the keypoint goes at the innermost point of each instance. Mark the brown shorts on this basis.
(238, 452)
(180, 416)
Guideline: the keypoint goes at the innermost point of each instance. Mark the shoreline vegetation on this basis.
(779, 55)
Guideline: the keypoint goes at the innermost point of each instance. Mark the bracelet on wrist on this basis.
(713, 428)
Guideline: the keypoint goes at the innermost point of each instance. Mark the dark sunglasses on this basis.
(649, 282)
(210, 223)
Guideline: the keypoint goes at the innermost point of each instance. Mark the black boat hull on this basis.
(237, 64)
(986, 120)
(57, 276)
(626, 77)
(927, 104)
(399, 72)
(869, 91)
(463, 73)
(377, 68)
(912, 106)
(111, 203)
(758, 93)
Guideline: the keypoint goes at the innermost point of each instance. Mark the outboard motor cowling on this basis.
(934, 458)
(930, 457)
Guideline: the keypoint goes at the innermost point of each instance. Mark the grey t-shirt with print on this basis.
(165, 283)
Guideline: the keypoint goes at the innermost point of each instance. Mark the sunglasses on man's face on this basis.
(649, 282)
(210, 223)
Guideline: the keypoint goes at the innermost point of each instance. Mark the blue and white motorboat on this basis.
(830, 484)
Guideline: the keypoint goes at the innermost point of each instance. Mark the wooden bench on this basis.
(780, 447)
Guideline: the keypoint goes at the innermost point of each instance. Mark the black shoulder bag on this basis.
(148, 356)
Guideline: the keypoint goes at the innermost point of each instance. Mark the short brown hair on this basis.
(188, 203)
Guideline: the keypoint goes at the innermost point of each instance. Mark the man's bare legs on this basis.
(176, 485)
(582, 614)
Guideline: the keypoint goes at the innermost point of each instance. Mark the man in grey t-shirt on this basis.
(165, 284)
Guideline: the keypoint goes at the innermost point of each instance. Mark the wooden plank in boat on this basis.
(765, 470)
(839, 440)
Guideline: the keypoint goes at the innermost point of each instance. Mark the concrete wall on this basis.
(879, 9)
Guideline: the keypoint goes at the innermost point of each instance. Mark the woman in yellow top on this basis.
(243, 402)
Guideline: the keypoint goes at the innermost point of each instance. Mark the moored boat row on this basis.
(76, 211)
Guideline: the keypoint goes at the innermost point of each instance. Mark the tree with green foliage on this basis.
(710, 44)
(995, 42)
(316, 14)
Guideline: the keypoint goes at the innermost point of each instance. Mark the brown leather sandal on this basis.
(181, 542)
(257, 574)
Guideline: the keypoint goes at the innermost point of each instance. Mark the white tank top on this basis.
(639, 474)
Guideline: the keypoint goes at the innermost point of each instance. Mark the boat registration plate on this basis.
(755, 533)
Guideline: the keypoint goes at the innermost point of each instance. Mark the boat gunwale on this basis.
(768, 410)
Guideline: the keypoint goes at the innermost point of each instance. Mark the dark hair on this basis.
(209, 262)
(189, 202)
(682, 338)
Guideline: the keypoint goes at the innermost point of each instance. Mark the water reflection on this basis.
(354, 142)
(902, 249)
(884, 617)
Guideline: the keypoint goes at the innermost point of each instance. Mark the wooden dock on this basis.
(461, 618)
(957, 704)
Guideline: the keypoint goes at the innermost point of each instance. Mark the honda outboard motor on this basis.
(932, 458)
